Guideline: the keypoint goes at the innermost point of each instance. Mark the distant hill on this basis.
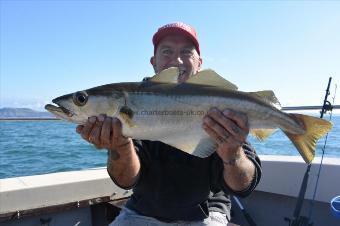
(23, 113)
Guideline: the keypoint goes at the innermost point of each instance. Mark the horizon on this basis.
(52, 48)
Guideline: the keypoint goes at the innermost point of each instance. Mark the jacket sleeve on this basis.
(252, 156)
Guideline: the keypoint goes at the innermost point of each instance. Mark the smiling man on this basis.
(171, 187)
(176, 45)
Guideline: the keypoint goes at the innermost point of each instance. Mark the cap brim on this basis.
(174, 30)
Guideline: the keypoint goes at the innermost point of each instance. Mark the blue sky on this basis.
(50, 48)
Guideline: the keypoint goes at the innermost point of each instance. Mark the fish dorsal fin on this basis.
(169, 75)
(210, 77)
(267, 96)
(262, 134)
(204, 77)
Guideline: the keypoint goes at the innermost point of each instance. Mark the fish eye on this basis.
(80, 98)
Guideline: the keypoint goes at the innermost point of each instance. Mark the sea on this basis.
(41, 147)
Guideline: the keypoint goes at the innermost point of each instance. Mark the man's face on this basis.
(177, 51)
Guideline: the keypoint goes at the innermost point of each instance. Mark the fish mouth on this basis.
(59, 110)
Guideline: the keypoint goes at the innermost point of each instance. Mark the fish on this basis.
(160, 109)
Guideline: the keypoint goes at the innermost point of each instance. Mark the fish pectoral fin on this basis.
(315, 129)
(126, 114)
(267, 96)
(210, 77)
(262, 134)
(205, 148)
(204, 77)
(169, 75)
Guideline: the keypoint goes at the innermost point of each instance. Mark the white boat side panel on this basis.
(284, 174)
(38, 191)
(281, 175)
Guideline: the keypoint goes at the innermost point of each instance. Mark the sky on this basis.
(50, 48)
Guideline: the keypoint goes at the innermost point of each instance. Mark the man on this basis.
(170, 186)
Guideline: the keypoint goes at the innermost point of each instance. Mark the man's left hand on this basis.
(229, 129)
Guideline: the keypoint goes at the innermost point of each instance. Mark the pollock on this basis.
(162, 109)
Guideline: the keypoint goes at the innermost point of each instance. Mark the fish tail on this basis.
(315, 129)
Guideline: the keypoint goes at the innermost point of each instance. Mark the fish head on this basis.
(79, 106)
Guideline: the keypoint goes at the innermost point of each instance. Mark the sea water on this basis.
(40, 147)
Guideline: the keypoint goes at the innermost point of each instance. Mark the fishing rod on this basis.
(323, 152)
(245, 213)
(299, 220)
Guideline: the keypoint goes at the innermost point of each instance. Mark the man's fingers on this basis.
(215, 128)
(85, 132)
(229, 124)
(79, 129)
(103, 132)
(241, 119)
(212, 133)
(218, 138)
(106, 132)
(117, 128)
(94, 136)
(99, 146)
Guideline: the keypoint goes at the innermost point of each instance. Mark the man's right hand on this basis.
(104, 132)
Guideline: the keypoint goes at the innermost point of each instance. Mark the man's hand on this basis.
(229, 129)
(104, 132)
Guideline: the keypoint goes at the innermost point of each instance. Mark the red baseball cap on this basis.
(177, 27)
